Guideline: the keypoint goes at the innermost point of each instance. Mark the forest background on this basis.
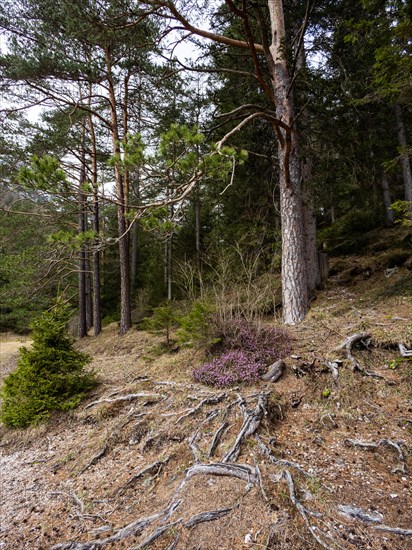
(149, 178)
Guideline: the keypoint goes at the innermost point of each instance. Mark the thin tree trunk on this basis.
(389, 214)
(294, 278)
(308, 201)
(82, 327)
(89, 296)
(197, 234)
(404, 157)
(125, 305)
(97, 311)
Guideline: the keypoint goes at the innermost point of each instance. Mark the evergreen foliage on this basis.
(163, 319)
(50, 376)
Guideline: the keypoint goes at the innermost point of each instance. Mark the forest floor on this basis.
(321, 458)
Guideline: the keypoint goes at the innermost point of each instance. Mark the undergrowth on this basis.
(50, 376)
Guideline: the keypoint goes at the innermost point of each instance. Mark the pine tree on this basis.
(50, 375)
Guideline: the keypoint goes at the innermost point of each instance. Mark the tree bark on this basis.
(389, 215)
(97, 309)
(294, 276)
(88, 287)
(404, 157)
(82, 327)
(308, 201)
(124, 256)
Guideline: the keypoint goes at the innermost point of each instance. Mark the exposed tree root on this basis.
(244, 472)
(95, 459)
(394, 530)
(154, 398)
(71, 496)
(275, 372)
(352, 512)
(158, 533)
(207, 516)
(279, 461)
(404, 351)
(333, 366)
(371, 445)
(347, 345)
(154, 467)
(304, 512)
(207, 401)
(130, 530)
(216, 438)
(250, 425)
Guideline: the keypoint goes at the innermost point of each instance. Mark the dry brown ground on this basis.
(72, 479)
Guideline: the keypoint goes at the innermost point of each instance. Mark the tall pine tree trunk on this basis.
(82, 327)
(97, 309)
(389, 214)
(404, 157)
(294, 277)
(124, 256)
(308, 201)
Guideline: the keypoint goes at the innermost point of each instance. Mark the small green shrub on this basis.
(164, 318)
(198, 327)
(49, 377)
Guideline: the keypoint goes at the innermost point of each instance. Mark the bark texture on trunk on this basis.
(96, 276)
(313, 274)
(294, 276)
(404, 158)
(124, 256)
(82, 282)
(387, 201)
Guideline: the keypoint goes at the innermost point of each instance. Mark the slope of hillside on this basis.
(321, 458)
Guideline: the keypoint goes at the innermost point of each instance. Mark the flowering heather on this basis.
(265, 342)
(231, 367)
(245, 352)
